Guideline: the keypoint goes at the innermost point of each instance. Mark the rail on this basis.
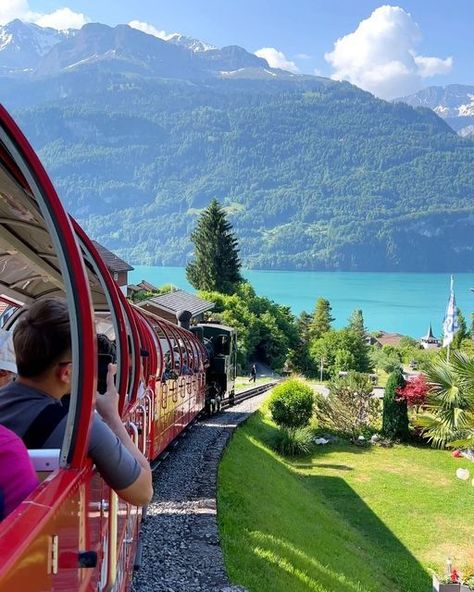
(249, 393)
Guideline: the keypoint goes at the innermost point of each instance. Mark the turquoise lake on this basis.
(397, 302)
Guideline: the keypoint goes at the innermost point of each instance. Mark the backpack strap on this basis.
(44, 425)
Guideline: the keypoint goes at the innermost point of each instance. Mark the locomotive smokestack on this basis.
(184, 318)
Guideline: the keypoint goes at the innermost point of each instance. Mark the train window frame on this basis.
(113, 311)
(44, 201)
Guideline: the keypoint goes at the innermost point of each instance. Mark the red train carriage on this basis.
(72, 532)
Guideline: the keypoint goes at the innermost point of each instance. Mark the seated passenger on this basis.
(17, 475)
(32, 407)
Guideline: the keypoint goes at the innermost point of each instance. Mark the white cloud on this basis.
(12, 9)
(276, 59)
(63, 18)
(150, 29)
(431, 66)
(303, 56)
(379, 56)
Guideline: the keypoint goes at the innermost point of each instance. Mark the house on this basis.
(168, 305)
(429, 341)
(384, 338)
(147, 287)
(117, 267)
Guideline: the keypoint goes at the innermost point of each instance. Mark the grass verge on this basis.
(344, 519)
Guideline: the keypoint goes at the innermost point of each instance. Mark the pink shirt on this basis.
(17, 475)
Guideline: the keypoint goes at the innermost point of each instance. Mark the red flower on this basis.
(454, 575)
(457, 454)
(415, 391)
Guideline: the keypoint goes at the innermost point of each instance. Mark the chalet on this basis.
(168, 305)
(384, 338)
(117, 267)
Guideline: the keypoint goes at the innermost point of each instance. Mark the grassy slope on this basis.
(345, 520)
(243, 383)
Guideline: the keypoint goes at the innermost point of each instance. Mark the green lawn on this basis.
(242, 382)
(346, 519)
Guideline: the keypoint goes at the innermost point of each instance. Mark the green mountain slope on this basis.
(315, 174)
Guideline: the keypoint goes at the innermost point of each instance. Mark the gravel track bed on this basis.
(181, 550)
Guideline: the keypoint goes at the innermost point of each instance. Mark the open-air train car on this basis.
(72, 532)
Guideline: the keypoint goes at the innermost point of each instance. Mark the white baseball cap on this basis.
(7, 353)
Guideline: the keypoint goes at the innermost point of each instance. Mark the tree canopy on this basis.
(313, 174)
(322, 319)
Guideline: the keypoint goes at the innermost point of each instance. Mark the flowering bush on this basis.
(414, 392)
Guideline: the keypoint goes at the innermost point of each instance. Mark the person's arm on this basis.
(140, 492)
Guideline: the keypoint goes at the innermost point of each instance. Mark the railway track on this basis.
(238, 398)
(249, 393)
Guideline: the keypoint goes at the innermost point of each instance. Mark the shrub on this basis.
(291, 404)
(349, 409)
(415, 391)
(294, 441)
(395, 412)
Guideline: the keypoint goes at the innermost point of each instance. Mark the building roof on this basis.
(144, 285)
(177, 301)
(429, 336)
(389, 338)
(111, 260)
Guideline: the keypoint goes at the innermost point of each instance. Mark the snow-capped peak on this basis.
(22, 44)
(190, 43)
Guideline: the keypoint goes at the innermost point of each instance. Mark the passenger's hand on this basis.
(107, 404)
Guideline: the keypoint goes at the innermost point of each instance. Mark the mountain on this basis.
(22, 45)
(454, 103)
(30, 51)
(189, 43)
(139, 134)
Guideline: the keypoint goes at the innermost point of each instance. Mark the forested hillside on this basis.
(314, 174)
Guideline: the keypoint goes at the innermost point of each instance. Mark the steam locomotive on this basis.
(73, 532)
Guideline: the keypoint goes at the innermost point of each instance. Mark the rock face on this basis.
(454, 103)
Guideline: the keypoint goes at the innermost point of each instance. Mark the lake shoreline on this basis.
(397, 302)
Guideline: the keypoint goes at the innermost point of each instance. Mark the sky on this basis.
(390, 50)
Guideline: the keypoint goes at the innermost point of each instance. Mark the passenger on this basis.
(186, 370)
(17, 475)
(32, 407)
(7, 358)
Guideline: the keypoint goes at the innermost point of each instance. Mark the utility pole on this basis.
(321, 366)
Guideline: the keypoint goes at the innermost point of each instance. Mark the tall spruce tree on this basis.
(322, 318)
(395, 412)
(299, 357)
(356, 323)
(216, 266)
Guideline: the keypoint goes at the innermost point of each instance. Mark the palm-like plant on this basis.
(448, 419)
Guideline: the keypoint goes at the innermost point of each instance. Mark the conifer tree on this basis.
(322, 318)
(356, 323)
(216, 266)
(395, 411)
(462, 332)
(299, 357)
